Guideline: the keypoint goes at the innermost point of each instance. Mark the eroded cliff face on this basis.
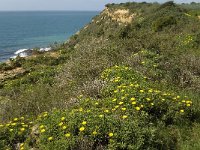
(120, 15)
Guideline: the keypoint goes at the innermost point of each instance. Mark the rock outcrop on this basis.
(120, 15)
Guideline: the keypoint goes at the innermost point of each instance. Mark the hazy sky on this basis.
(66, 4)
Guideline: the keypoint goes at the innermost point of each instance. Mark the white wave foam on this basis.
(28, 52)
(45, 49)
(13, 57)
(20, 51)
(23, 54)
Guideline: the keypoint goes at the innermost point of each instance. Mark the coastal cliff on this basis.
(130, 79)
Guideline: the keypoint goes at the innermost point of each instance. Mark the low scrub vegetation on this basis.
(129, 116)
(115, 85)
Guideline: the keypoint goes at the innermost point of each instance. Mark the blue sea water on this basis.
(25, 30)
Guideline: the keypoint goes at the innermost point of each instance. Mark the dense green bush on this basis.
(162, 22)
(5, 67)
(129, 116)
(139, 104)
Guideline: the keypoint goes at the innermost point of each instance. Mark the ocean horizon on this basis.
(21, 30)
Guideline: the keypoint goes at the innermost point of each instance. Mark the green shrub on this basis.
(163, 22)
(129, 108)
(14, 132)
(129, 116)
(5, 67)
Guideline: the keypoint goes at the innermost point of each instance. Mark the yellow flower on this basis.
(188, 105)
(64, 127)
(80, 96)
(13, 124)
(182, 111)
(137, 85)
(42, 126)
(157, 91)
(96, 103)
(116, 80)
(45, 115)
(117, 106)
(22, 118)
(113, 109)
(101, 116)
(22, 144)
(134, 103)
(141, 91)
(24, 125)
(152, 104)
(94, 132)
(174, 98)
(22, 129)
(119, 86)
(63, 118)
(114, 100)
(120, 103)
(123, 109)
(124, 116)
(115, 91)
(122, 90)
(123, 97)
(50, 138)
(133, 98)
(110, 134)
(1, 125)
(80, 109)
(150, 91)
(84, 123)
(60, 124)
(189, 102)
(15, 119)
(106, 111)
(148, 99)
(42, 131)
(137, 108)
(11, 130)
(82, 129)
(67, 135)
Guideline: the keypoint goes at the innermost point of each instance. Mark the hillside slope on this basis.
(128, 80)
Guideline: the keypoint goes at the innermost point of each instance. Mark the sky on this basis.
(6, 5)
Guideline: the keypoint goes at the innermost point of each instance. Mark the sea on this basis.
(25, 30)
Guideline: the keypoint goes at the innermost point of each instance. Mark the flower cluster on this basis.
(17, 126)
(128, 105)
(128, 95)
